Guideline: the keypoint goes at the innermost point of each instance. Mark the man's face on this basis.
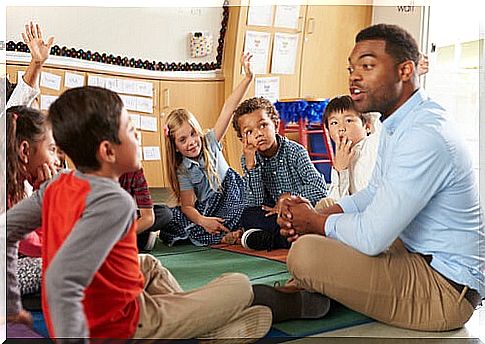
(374, 81)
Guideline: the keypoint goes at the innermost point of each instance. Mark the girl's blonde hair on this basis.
(173, 122)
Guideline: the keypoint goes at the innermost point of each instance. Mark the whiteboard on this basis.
(150, 33)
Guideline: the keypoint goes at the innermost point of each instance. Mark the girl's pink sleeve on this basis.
(31, 246)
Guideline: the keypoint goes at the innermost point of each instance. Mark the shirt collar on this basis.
(187, 162)
(392, 122)
(281, 143)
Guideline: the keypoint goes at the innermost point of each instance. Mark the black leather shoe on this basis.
(291, 304)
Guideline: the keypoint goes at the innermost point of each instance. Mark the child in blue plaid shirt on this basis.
(274, 167)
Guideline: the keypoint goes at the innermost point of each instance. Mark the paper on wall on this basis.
(268, 88)
(144, 88)
(111, 84)
(144, 104)
(284, 53)
(92, 80)
(72, 80)
(49, 80)
(260, 15)
(129, 102)
(148, 123)
(151, 153)
(46, 101)
(257, 43)
(129, 86)
(135, 119)
(287, 16)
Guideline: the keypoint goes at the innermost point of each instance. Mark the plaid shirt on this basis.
(289, 170)
(136, 185)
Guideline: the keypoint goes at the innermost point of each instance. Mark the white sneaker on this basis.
(252, 324)
(152, 239)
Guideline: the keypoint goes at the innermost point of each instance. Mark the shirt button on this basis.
(274, 172)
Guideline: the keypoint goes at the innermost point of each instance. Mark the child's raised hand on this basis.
(213, 225)
(246, 62)
(39, 50)
(343, 154)
(249, 150)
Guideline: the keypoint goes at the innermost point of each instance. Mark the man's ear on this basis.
(406, 70)
(106, 152)
(24, 151)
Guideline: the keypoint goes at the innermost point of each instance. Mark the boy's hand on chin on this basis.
(249, 150)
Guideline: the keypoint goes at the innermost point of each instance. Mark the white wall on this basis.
(407, 16)
(157, 33)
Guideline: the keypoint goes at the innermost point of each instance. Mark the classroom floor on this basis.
(378, 333)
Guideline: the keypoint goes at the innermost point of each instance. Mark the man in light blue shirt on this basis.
(409, 249)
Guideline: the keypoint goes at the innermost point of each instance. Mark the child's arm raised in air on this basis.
(234, 99)
(210, 224)
(39, 50)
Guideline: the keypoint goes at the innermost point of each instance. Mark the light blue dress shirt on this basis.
(424, 191)
(192, 174)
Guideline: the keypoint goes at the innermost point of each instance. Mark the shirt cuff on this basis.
(330, 226)
(348, 205)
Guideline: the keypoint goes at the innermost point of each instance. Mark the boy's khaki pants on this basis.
(396, 287)
(166, 311)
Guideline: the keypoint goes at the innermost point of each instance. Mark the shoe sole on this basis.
(245, 235)
(253, 324)
(291, 305)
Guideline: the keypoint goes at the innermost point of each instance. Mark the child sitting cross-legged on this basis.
(95, 285)
(274, 167)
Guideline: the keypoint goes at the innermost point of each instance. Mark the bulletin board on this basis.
(140, 97)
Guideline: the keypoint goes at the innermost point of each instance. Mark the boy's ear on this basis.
(106, 152)
(24, 151)
(277, 124)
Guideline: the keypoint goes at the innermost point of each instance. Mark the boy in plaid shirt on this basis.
(274, 167)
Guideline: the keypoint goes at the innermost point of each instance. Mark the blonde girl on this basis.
(210, 194)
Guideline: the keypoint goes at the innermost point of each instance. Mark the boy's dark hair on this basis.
(399, 43)
(341, 104)
(81, 119)
(251, 105)
(23, 124)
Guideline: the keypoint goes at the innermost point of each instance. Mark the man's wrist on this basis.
(319, 223)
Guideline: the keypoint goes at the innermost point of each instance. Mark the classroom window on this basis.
(455, 49)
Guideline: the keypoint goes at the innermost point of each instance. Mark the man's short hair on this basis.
(399, 43)
(251, 105)
(340, 104)
(81, 119)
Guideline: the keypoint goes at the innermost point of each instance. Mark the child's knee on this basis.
(240, 284)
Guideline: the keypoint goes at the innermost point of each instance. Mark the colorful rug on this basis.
(278, 255)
